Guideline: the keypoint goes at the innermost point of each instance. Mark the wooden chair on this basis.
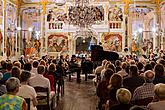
(44, 102)
(28, 103)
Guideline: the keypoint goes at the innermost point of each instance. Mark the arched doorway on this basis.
(84, 44)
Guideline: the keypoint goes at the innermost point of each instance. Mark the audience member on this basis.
(102, 88)
(16, 72)
(159, 74)
(10, 101)
(2, 86)
(34, 67)
(146, 90)
(123, 97)
(133, 80)
(27, 91)
(123, 72)
(115, 83)
(160, 94)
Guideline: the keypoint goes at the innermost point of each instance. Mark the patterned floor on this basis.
(78, 96)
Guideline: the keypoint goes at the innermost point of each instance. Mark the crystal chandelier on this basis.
(84, 15)
(60, 2)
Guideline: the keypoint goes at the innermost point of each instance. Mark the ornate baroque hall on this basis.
(82, 54)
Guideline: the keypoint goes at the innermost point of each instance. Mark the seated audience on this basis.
(160, 95)
(28, 67)
(27, 91)
(159, 74)
(146, 90)
(115, 83)
(3, 67)
(34, 67)
(10, 101)
(118, 65)
(123, 97)
(7, 74)
(39, 79)
(123, 72)
(16, 72)
(133, 80)
(49, 75)
(2, 86)
(102, 89)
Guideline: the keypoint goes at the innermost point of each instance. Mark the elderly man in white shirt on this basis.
(39, 79)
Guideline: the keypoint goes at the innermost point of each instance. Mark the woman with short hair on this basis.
(123, 97)
(10, 101)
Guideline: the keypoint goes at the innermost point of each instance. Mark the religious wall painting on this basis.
(112, 42)
(56, 18)
(115, 13)
(58, 42)
(11, 25)
(115, 17)
(139, 11)
(31, 19)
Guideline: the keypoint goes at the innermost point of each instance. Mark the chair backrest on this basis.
(28, 103)
(42, 90)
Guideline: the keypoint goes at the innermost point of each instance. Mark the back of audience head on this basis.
(52, 67)
(108, 73)
(133, 70)
(3, 64)
(41, 69)
(104, 62)
(116, 81)
(124, 65)
(148, 66)
(132, 62)
(153, 64)
(9, 66)
(159, 70)
(149, 76)
(117, 63)
(42, 62)
(140, 66)
(35, 64)
(111, 66)
(16, 72)
(28, 66)
(12, 85)
(123, 96)
(25, 75)
(17, 64)
(135, 107)
(162, 61)
(160, 91)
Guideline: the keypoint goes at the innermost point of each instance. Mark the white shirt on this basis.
(34, 70)
(27, 91)
(39, 80)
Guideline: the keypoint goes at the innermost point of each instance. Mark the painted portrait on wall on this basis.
(58, 42)
(112, 42)
(11, 25)
(115, 13)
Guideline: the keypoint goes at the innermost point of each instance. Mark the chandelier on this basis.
(84, 15)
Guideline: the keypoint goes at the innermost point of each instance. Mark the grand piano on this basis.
(98, 54)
